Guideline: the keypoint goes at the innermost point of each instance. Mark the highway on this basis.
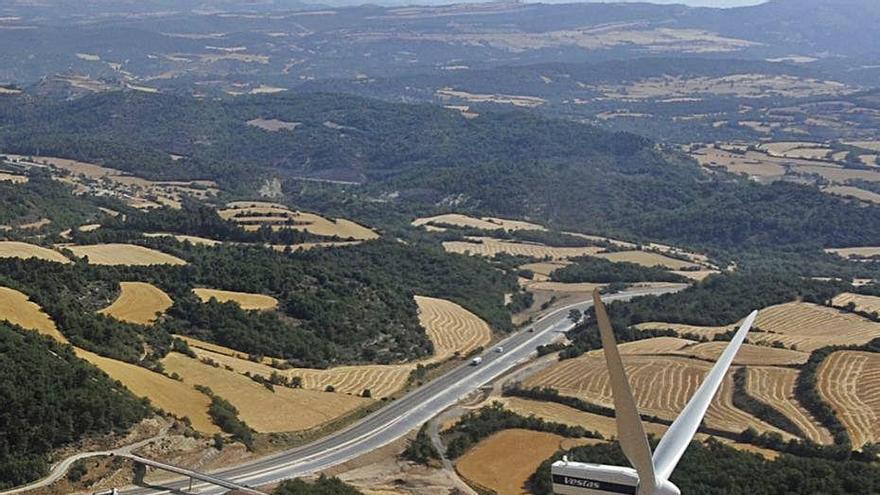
(398, 417)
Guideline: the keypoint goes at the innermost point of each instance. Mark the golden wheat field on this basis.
(503, 462)
(138, 302)
(253, 215)
(489, 247)
(194, 240)
(484, 223)
(646, 258)
(775, 386)
(682, 329)
(656, 345)
(662, 386)
(124, 254)
(23, 250)
(283, 410)
(868, 304)
(748, 354)
(855, 252)
(543, 270)
(850, 382)
(580, 287)
(172, 396)
(17, 308)
(809, 326)
(246, 300)
(853, 192)
(451, 328)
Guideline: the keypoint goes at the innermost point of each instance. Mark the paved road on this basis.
(399, 417)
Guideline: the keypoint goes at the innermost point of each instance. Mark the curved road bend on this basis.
(400, 416)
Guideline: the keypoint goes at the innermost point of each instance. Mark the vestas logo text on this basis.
(581, 483)
(588, 484)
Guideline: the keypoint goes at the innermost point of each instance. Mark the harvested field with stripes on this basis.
(850, 382)
(283, 410)
(172, 396)
(863, 303)
(17, 308)
(23, 250)
(246, 300)
(124, 254)
(503, 462)
(755, 355)
(656, 345)
(662, 386)
(810, 327)
(253, 215)
(489, 247)
(484, 223)
(775, 387)
(138, 302)
(451, 328)
(647, 258)
(682, 329)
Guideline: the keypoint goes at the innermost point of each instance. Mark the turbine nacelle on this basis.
(651, 472)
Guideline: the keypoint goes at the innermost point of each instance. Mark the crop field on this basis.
(194, 240)
(14, 178)
(283, 410)
(853, 192)
(561, 287)
(775, 386)
(451, 328)
(662, 386)
(867, 304)
(868, 145)
(742, 85)
(850, 382)
(246, 300)
(253, 215)
(489, 247)
(656, 345)
(753, 166)
(748, 354)
(796, 149)
(543, 270)
(504, 461)
(682, 329)
(695, 275)
(138, 303)
(646, 258)
(272, 125)
(856, 252)
(305, 246)
(172, 396)
(381, 380)
(484, 223)
(23, 250)
(808, 327)
(124, 254)
(17, 308)
(515, 100)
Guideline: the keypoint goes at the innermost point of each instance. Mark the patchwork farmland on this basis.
(138, 302)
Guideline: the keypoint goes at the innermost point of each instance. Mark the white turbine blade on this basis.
(630, 431)
(682, 431)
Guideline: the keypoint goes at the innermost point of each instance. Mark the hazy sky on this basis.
(693, 3)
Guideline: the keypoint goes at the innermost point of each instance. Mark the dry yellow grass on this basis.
(484, 223)
(14, 178)
(561, 287)
(504, 461)
(853, 192)
(305, 246)
(808, 327)
(172, 396)
(868, 304)
(850, 382)
(542, 271)
(682, 329)
(748, 354)
(451, 328)
(140, 303)
(695, 275)
(285, 409)
(656, 345)
(197, 241)
(856, 252)
(487, 246)
(253, 215)
(124, 254)
(246, 300)
(662, 386)
(17, 308)
(646, 258)
(868, 145)
(775, 386)
(23, 250)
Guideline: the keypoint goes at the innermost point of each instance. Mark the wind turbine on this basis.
(649, 474)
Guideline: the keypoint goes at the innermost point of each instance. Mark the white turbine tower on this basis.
(651, 473)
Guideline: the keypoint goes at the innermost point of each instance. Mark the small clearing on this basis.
(273, 125)
(246, 300)
(13, 178)
(855, 252)
(194, 240)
